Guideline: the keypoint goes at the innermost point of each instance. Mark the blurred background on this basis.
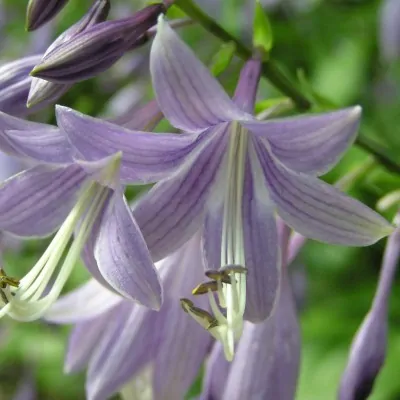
(338, 51)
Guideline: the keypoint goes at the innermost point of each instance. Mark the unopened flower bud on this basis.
(41, 11)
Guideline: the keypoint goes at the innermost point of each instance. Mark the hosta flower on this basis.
(85, 198)
(132, 349)
(368, 349)
(230, 173)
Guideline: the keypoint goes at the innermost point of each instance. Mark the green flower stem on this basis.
(271, 72)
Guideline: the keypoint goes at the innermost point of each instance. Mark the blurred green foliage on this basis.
(334, 43)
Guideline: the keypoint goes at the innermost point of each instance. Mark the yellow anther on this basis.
(200, 315)
(236, 269)
(7, 280)
(205, 287)
(218, 276)
(186, 304)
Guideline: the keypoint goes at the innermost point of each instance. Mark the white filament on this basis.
(232, 296)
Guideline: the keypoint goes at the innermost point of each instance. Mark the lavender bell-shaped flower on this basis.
(45, 92)
(368, 349)
(130, 348)
(96, 48)
(39, 12)
(82, 196)
(229, 173)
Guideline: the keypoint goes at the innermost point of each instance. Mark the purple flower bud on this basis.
(41, 11)
(45, 92)
(97, 48)
(368, 350)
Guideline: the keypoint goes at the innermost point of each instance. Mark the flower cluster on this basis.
(195, 267)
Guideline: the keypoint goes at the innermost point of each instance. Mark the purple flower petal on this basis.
(311, 144)
(267, 359)
(143, 118)
(83, 341)
(318, 210)
(87, 302)
(261, 247)
(36, 201)
(246, 89)
(126, 346)
(48, 145)
(181, 353)
(190, 98)
(7, 122)
(123, 258)
(216, 375)
(146, 157)
(173, 210)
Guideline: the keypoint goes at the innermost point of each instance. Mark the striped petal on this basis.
(146, 157)
(266, 364)
(310, 144)
(123, 258)
(173, 210)
(318, 210)
(189, 97)
(87, 302)
(261, 247)
(36, 201)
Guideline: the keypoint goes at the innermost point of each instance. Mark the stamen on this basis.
(204, 318)
(203, 288)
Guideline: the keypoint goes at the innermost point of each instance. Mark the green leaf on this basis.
(262, 30)
(222, 58)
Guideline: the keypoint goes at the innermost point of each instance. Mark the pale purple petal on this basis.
(189, 97)
(173, 210)
(36, 201)
(87, 302)
(184, 348)
(83, 341)
(267, 359)
(212, 234)
(125, 348)
(8, 122)
(123, 258)
(143, 118)
(216, 374)
(181, 353)
(318, 210)
(48, 146)
(146, 157)
(261, 246)
(246, 89)
(310, 144)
